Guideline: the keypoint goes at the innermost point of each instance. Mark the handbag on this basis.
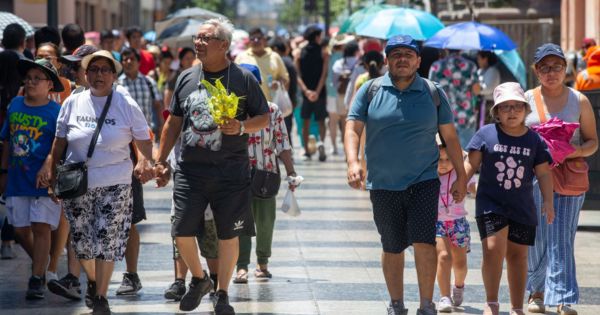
(71, 179)
(264, 184)
(571, 177)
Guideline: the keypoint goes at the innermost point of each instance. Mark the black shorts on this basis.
(318, 108)
(137, 201)
(406, 217)
(229, 200)
(490, 223)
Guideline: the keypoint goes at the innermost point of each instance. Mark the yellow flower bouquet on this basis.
(222, 105)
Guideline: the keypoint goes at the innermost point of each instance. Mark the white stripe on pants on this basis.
(551, 262)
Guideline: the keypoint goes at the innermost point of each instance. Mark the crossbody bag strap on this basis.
(539, 104)
(99, 126)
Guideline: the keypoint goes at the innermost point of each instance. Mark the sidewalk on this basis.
(325, 261)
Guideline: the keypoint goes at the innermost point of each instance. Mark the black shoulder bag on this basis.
(71, 179)
(265, 184)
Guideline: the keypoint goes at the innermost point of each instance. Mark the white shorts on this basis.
(22, 211)
(336, 105)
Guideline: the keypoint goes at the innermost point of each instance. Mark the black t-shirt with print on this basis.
(205, 150)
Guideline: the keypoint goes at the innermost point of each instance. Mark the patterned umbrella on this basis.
(7, 18)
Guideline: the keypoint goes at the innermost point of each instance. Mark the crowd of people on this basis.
(133, 111)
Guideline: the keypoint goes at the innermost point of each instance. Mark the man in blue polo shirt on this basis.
(402, 119)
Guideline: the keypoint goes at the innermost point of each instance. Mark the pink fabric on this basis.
(455, 210)
(557, 135)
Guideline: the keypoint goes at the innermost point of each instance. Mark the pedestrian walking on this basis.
(552, 279)
(402, 113)
(214, 167)
(510, 156)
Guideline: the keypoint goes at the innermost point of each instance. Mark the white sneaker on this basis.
(536, 305)
(445, 305)
(457, 295)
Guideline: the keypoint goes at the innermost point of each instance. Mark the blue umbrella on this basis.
(514, 64)
(471, 36)
(150, 36)
(388, 23)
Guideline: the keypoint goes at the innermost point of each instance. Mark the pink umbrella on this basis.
(557, 135)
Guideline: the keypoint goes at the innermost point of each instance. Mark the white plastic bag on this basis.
(283, 101)
(290, 204)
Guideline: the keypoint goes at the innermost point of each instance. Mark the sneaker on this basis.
(222, 306)
(306, 157)
(101, 306)
(68, 287)
(130, 285)
(445, 305)
(35, 288)
(457, 295)
(565, 310)
(176, 290)
(427, 311)
(536, 305)
(51, 276)
(321, 149)
(7, 252)
(196, 290)
(90, 293)
(491, 309)
(396, 309)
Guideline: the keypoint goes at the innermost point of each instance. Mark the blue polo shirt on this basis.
(401, 127)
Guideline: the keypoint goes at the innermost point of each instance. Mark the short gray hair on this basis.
(224, 28)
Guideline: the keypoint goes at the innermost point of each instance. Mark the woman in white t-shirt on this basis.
(100, 219)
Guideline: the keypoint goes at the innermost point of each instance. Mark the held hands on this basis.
(162, 174)
(548, 211)
(459, 189)
(143, 171)
(356, 175)
(231, 127)
(45, 176)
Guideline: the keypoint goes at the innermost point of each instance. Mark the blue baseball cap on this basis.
(546, 50)
(254, 69)
(405, 41)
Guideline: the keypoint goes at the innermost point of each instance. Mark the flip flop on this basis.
(241, 277)
(262, 274)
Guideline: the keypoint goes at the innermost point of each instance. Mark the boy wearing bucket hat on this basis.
(28, 134)
(510, 155)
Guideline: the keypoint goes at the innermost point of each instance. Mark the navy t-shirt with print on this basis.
(205, 150)
(507, 171)
(29, 131)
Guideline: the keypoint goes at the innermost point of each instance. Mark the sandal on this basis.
(241, 277)
(262, 274)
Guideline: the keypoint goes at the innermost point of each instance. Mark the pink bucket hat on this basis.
(509, 91)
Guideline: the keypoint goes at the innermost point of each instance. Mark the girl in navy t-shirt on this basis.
(510, 155)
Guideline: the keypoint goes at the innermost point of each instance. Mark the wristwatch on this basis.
(242, 128)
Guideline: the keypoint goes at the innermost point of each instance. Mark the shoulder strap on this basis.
(99, 126)
(539, 104)
(373, 89)
(435, 93)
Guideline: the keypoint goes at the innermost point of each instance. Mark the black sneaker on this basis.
(130, 285)
(322, 155)
(90, 294)
(176, 290)
(197, 289)
(101, 306)
(35, 288)
(222, 306)
(68, 287)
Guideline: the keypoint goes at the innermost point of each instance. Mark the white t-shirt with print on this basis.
(110, 164)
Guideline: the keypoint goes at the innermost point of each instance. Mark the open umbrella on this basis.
(471, 36)
(514, 64)
(185, 14)
(179, 34)
(388, 23)
(349, 25)
(7, 18)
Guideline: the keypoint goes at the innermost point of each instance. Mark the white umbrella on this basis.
(7, 18)
(184, 14)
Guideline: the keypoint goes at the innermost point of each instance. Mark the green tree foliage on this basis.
(292, 13)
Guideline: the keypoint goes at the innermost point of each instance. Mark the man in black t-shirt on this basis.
(213, 168)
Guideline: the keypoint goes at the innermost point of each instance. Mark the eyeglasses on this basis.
(505, 108)
(103, 70)
(256, 38)
(546, 69)
(34, 80)
(204, 39)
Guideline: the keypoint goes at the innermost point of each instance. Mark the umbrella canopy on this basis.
(471, 36)
(185, 14)
(7, 18)
(150, 36)
(349, 25)
(514, 64)
(180, 34)
(388, 23)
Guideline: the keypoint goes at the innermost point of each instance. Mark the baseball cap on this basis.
(546, 50)
(587, 42)
(79, 53)
(405, 41)
(44, 65)
(508, 91)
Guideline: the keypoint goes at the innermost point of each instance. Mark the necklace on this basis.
(446, 202)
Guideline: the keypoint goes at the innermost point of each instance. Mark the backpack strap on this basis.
(373, 89)
(435, 93)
